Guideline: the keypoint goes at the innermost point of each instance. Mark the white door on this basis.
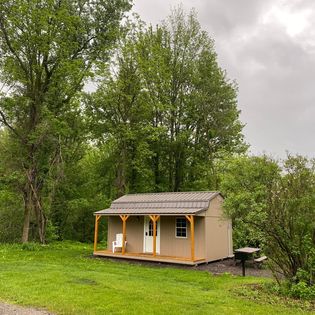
(148, 236)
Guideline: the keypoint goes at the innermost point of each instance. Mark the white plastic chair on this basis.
(118, 243)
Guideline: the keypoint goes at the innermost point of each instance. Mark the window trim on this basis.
(181, 237)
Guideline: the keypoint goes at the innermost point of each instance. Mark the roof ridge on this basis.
(174, 192)
(167, 201)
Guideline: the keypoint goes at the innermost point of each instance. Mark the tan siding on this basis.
(181, 247)
(113, 228)
(134, 232)
(200, 237)
(215, 208)
(169, 244)
(218, 239)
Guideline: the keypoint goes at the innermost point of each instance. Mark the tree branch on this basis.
(5, 122)
(7, 41)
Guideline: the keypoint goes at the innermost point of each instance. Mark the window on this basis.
(151, 228)
(181, 227)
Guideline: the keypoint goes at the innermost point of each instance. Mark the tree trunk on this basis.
(156, 167)
(121, 172)
(34, 201)
(26, 223)
(41, 221)
(178, 174)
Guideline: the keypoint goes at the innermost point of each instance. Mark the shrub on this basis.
(302, 290)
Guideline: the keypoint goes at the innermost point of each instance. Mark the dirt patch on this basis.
(9, 309)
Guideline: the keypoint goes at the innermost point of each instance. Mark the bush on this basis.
(302, 290)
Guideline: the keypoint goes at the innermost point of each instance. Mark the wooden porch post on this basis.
(190, 218)
(154, 219)
(124, 219)
(97, 218)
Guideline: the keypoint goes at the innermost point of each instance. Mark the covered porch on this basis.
(157, 242)
(150, 257)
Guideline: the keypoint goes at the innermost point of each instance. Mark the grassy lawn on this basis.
(63, 279)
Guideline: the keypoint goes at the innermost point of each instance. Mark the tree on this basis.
(277, 202)
(82, 191)
(119, 117)
(47, 49)
(246, 183)
(168, 110)
(192, 97)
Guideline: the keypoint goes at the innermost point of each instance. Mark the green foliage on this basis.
(163, 113)
(10, 215)
(30, 246)
(302, 290)
(82, 191)
(167, 110)
(47, 51)
(11, 203)
(273, 206)
(246, 182)
(273, 294)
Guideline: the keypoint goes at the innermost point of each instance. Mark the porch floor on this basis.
(149, 257)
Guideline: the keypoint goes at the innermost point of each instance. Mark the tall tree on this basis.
(47, 49)
(119, 116)
(188, 107)
(196, 102)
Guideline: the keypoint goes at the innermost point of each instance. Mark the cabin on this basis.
(174, 227)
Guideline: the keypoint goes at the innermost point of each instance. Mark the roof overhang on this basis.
(156, 211)
(166, 204)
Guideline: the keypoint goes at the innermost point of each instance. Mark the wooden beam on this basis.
(97, 218)
(124, 219)
(190, 218)
(154, 219)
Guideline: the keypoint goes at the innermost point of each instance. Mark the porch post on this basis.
(124, 219)
(154, 219)
(97, 218)
(190, 218)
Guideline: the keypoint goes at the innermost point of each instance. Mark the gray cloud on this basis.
(225, 17)
(269, 48)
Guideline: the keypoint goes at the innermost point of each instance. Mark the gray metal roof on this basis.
(161, 203)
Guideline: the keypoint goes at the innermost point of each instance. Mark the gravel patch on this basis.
(216, 267)
(229, 266)
(9, 309)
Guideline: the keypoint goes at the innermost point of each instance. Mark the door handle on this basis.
(146, 233)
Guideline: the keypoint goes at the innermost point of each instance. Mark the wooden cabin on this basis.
(175, 227)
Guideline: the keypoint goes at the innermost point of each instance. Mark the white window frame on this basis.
(177, 227)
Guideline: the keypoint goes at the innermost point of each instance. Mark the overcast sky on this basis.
(268, 47)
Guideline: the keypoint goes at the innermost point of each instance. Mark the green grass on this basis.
(64, 279)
